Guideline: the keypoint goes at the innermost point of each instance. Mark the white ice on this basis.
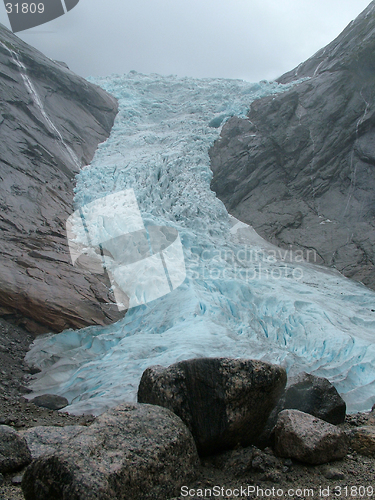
(242, 297)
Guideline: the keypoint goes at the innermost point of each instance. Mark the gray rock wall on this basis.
(300, 169)
(42, 146)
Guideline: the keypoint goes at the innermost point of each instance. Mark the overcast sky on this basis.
(248, 39)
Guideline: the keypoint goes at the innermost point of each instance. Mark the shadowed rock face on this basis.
(50, 124)
(224, 402)
(301, 169)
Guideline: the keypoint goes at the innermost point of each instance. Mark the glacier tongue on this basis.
(242, 297)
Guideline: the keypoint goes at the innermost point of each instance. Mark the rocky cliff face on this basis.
(50, 125)
(301, 168)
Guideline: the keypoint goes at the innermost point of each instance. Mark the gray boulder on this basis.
(300, 169)
(224, 402)
(14, 452)
(308, 439)
(51, 124)
(316, 396)
(309, 394)
(50, 401)
(133, 452)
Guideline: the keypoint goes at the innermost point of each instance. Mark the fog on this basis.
(247, 39)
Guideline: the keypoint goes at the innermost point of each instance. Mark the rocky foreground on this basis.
(216, 430)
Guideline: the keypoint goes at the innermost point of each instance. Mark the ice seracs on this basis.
(240, 298)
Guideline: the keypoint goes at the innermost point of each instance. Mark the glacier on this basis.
(242, 296)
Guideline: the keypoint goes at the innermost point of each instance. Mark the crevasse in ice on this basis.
(242, 297)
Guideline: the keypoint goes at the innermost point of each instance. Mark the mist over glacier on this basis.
(242, 297)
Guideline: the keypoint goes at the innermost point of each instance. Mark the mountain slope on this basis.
(300, 169)
(50, 125)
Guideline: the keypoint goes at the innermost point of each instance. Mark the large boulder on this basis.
(308, 439)
(300, 168)
(14, 452)
(309, 394)
(51, 124)
(224, 402)
(316, 396)
(133, 452)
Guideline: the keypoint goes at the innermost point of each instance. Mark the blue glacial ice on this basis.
(242, 296)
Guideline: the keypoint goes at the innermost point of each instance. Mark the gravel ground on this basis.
(259, 473)
(262, 475)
